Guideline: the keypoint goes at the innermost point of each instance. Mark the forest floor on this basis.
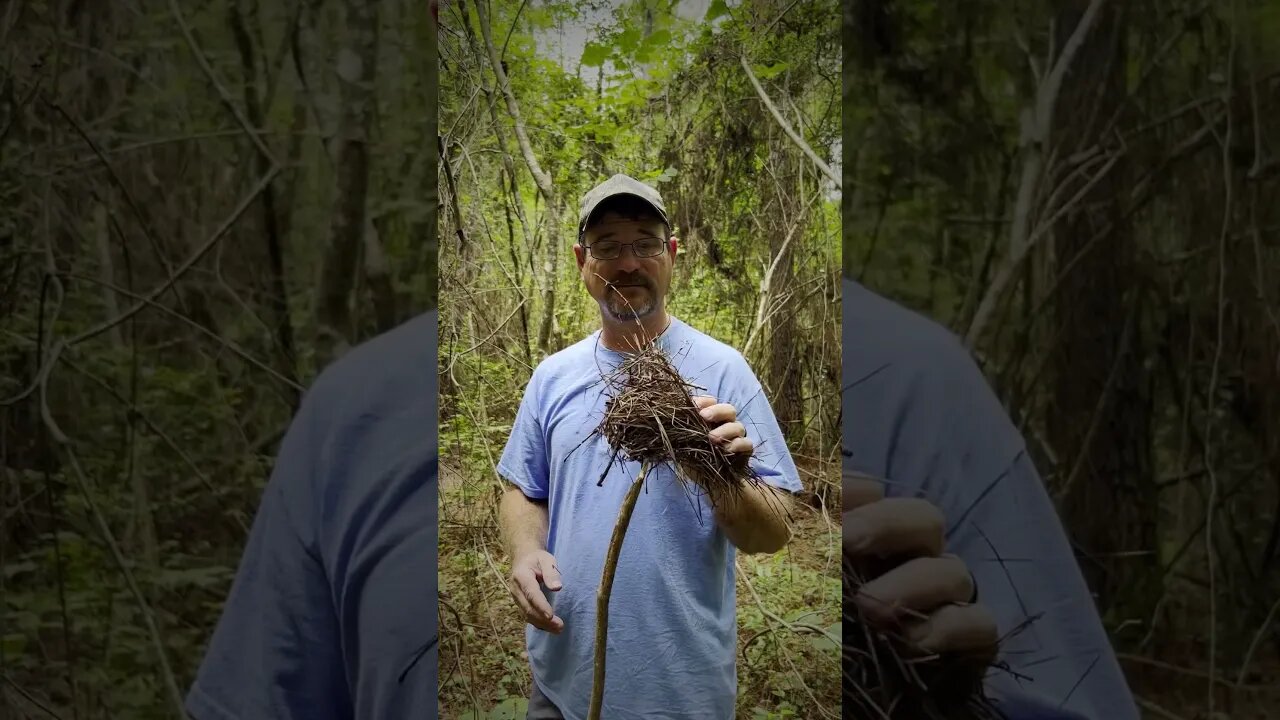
(786, 669)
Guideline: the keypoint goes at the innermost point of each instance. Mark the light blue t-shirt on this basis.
(672, 623)
(919, 413)
(332, 615)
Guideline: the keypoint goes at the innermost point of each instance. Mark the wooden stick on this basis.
(606, 587)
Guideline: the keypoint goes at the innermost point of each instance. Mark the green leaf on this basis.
(594, 54)
(659, 39)
(764, 72)
(629, 40)
(823, 643)
(796, 614)
(717, 9)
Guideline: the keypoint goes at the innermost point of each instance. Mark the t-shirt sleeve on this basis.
(524, 459)
(1002, 522)
(1009, 533)
(771, 458)
(277, 641)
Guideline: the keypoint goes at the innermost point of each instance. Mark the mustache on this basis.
(630, 280)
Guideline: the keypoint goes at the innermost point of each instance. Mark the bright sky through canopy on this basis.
(566, 43)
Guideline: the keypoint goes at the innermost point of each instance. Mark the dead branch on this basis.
(223, 342)
(223, 95)
(186, 265)
(606, 588)
(540, 177)
(786, 126)
(1036, 126)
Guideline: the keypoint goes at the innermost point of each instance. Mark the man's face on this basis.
(627, 287)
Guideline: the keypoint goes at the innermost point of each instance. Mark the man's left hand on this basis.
(726, 431)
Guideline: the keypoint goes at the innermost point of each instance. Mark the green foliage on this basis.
(786, 667)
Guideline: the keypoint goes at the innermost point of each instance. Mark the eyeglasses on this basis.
(610, 249)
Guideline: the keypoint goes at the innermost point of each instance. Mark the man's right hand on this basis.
(928, 593)
(528, 573)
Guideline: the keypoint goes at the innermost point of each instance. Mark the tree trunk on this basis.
(101, 232)
(552, 239)
(271, 216)
(785, 349)
(1100, 421)
(356, 68)
(377, 272)
(784, 345)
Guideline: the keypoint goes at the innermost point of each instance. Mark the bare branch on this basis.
(153, 630)
(186, 265)
(786, 126)
(540, 176)
(1047, 97)
(225, 343)
(1036, 126)
(213, 78)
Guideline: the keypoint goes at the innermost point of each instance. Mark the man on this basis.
(672, 623)
(979, 549)
(332, 615)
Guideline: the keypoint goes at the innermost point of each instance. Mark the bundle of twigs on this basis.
(650, 417)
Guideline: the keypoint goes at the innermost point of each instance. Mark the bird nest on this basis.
(650, 417)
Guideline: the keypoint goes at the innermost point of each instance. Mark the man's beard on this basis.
(622, 308)
(619, 309)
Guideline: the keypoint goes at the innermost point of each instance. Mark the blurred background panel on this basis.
(1093, 212)
(203, 204)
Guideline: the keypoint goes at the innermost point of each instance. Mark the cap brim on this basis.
(591, 211)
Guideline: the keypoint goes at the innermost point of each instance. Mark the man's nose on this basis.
(627, 260)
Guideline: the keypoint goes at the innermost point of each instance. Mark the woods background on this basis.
(175, 266)
(201, 204)
(541, 101)
(1085, 191)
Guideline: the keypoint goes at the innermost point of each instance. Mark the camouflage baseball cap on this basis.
(619, 185)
